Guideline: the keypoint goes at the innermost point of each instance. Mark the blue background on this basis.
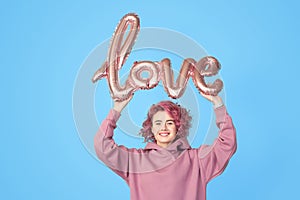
(43, 45)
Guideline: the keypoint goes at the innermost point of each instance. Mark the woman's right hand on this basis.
(120, 105)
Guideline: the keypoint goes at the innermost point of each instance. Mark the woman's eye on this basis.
(170, 123)
(157, 124)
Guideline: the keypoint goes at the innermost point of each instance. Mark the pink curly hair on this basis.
(180, 115)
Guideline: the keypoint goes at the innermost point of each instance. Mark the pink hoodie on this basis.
(177, 172)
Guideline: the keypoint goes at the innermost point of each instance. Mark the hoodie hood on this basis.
(175, 148)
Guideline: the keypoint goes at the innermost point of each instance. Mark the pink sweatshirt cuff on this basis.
(221, 113)
(113, 115)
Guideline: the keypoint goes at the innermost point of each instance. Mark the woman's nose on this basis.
(164, 127)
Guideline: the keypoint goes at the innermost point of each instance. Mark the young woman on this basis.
(167, 168)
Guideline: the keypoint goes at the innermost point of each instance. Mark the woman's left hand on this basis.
(120, 105)
(216, 100)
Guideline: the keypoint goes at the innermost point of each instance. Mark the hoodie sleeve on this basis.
(214, 158)
(114, 156)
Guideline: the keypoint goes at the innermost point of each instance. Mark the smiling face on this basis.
(163, 128)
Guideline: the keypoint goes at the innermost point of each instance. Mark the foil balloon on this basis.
(119, 52)
(207, 66)
(175, 90)
(138, 81)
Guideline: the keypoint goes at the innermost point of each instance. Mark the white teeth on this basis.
(164, 134)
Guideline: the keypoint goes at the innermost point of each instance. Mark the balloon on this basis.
(207, 66)
(136, 79)
(176, 90)
(119, 52)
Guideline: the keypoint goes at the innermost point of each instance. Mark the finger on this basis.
(208, 97)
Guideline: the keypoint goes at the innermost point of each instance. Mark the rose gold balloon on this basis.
(117, 56)
(176, 90)
(207, 66)
(119, 51)
(136, 78)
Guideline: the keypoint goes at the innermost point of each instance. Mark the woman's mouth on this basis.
(164, 134)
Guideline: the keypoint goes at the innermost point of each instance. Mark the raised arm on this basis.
(214, 158)
(113, 155)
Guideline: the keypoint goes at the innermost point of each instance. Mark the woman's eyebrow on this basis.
(158, 120)
(170, 120)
